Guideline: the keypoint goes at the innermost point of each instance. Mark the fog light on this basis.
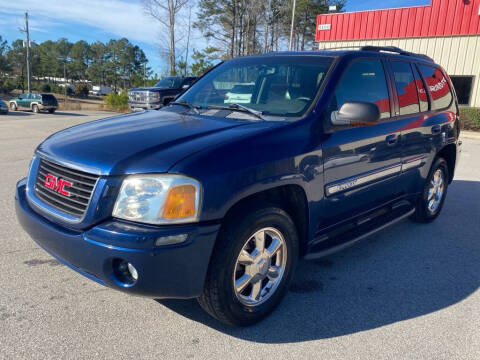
(124, 272)
(133, 271)
(171, 239)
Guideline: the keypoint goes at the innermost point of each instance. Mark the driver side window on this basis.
(365, 81)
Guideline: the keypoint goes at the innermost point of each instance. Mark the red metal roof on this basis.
(440, 18)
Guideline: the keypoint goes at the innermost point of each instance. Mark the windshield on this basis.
(282, 86)
(170, 82)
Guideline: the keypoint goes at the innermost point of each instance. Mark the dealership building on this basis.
(446, 30)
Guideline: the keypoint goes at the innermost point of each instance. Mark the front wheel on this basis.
(51, 111)
(251, 267)
(13, 106)
(35, 109)
(431, 201)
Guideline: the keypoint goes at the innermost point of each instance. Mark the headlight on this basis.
(158, 199)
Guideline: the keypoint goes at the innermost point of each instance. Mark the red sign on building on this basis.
(440, 18)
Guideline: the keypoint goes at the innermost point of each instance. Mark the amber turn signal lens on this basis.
(180, 202)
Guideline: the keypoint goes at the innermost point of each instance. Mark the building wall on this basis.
(459, 55)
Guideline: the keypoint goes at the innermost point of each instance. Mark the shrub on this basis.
(81, 90)
(470, 118)
(46, 88)
(117, 102)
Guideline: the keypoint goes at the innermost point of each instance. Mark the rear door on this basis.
(423, 104)
(361, 164)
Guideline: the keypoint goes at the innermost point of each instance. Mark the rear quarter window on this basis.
(438, 86)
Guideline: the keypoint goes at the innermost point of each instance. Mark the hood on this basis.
(151, 88)
(151, 141)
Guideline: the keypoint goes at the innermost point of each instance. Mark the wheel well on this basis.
(449, 153)
(290, 198)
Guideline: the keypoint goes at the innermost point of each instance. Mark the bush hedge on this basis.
(470, 118)
(117, 102)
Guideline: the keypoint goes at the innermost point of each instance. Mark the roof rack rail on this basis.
(394, 49)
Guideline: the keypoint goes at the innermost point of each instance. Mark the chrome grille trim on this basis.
(83, 185)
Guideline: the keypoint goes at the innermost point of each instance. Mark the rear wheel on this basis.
(13, 106)
(431, 201)
(251, 267)
(35, 109)
(51, 111)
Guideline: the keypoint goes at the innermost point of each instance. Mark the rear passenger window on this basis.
(365, 81)
(422, 93)
(406, 88)
(438, 86)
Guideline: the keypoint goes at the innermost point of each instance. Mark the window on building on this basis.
(438, 86)
(463, 88)
(406, 88)
(422, 93)
(364, 80)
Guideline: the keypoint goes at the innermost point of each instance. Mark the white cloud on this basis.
(117, 17)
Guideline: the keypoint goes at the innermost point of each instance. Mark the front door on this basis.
(361, 164)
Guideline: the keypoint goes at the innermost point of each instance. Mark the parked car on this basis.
(3, 107)
(240, 94)
(160, 94)
(217, 201)
(34, 102)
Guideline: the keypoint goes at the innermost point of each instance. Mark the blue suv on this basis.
(217, 200)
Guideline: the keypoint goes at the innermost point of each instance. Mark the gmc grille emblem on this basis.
(54, 183)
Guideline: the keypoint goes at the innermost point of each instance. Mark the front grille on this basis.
(80, 191)
(138, 96)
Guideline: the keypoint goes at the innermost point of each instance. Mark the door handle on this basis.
(391, 139)
(436, 129)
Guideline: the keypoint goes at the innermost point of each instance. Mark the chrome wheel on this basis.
(435, 191)
(260, 267)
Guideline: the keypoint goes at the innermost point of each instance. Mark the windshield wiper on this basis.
(186, 104)
(238, 107)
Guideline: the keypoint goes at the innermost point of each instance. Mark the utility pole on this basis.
(291, 27)
(188, 38)
(28, 51)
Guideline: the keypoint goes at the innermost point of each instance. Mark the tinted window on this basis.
(365, 81)
(280, 86)
(406, 88)
(188, 81)
(422, 93)
(171, 82)
(438, 86)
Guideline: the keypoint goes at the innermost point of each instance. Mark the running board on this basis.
(361, 232)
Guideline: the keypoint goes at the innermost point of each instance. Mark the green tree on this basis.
(204, 60)
(81, 56)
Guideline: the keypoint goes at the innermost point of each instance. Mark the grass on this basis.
(470, 118)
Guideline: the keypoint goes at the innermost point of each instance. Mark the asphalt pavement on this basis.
(409, 292)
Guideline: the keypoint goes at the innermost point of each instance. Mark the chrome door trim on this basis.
(362, 179)
(412, 163)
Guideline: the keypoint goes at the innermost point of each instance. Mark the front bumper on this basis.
(145, 106)
(173, 271)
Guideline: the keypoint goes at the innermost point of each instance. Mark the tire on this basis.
(51, 111)
(429, 205)
(220, 297)
(13, 106)
(35, 109)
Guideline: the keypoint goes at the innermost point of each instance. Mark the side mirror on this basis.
(356, 113)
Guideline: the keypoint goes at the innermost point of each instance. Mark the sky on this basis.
(102, 20)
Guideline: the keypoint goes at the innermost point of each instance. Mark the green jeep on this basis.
(35, 102)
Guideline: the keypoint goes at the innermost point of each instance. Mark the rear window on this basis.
(406, 88)
(48, 97)
(438, 85)
(422, 93)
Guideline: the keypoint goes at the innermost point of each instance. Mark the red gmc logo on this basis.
(56, 184)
